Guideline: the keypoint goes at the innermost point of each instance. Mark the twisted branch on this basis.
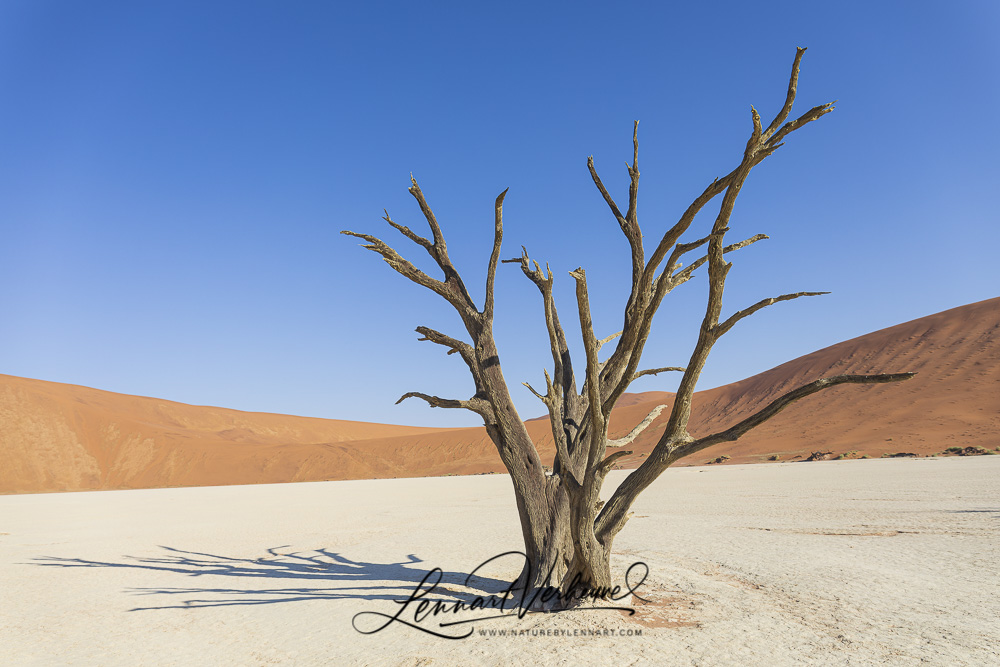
(562, 364)
(656, 371)
(477, 405)
(491, 271)
(779, 404)
(408, 270)
(793, 82)
(608, 463)
(409, 233)
(763, 303)
(640, 427)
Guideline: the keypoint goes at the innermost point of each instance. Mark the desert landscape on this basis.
(893, 560)
(247, 247)
(56, 437)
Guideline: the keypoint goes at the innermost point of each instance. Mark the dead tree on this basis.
(567, 530)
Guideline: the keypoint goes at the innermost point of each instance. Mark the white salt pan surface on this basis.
(846, 562)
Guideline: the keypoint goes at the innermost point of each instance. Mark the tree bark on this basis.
(548, 543)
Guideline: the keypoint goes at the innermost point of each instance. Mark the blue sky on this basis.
(174, 175)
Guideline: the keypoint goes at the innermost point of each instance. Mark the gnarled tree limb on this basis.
(491, 271)
(408, 270)
(685, 274)
(763, 303)
(562, 363)
(410, 234)
(453, 344)
(656, 371)
(640, 427)
(477, 405)
(786, 108)
(607, 339)
(543, 399)
(428, 215)
(598, 420)
(628, 222)
(779, 404)
(608, 463)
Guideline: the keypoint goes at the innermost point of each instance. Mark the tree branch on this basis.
(629, 222)
(491, 271)
(640, 427)
(453, 344)
(675, 435)
(543, 399)
(786, 108)
(466, 351)
(757, 131)
(562, 364)
(587, 331)
(410, 234)
(672, 235)
(808, 117)
(631, 216)
(609, 463)
(718, 269)
(684, 274)
(477, 405)
(492, 399)
(559, 435)
(597, 416)
(763, 303)
(656, 371)
(623, 363)
(622, 222)
(452, 288)
(439, 250)
(414, 190)
(604, 341)
(634, 233)
(679, 250)
(408, 270)
(779, 404)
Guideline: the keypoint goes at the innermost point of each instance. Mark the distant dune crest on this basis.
(59, 437)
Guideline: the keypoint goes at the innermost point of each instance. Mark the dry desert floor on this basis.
(841, 562)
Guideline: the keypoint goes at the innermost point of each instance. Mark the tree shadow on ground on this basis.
(323, 575)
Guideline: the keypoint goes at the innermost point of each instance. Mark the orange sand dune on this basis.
(61, 437)
(57, 437)
(953, 401)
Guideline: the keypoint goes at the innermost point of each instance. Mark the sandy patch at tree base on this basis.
(840, 562)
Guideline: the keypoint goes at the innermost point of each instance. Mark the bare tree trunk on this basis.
(548, 543)
(591, 566)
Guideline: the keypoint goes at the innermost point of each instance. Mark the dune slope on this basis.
(953, 401)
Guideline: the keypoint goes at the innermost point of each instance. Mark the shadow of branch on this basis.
(326, 575)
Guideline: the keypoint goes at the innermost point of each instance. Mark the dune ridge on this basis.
(60, 437)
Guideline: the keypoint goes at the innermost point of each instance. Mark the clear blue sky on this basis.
(174, 175)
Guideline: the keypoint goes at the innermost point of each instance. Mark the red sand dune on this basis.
(58, 437)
